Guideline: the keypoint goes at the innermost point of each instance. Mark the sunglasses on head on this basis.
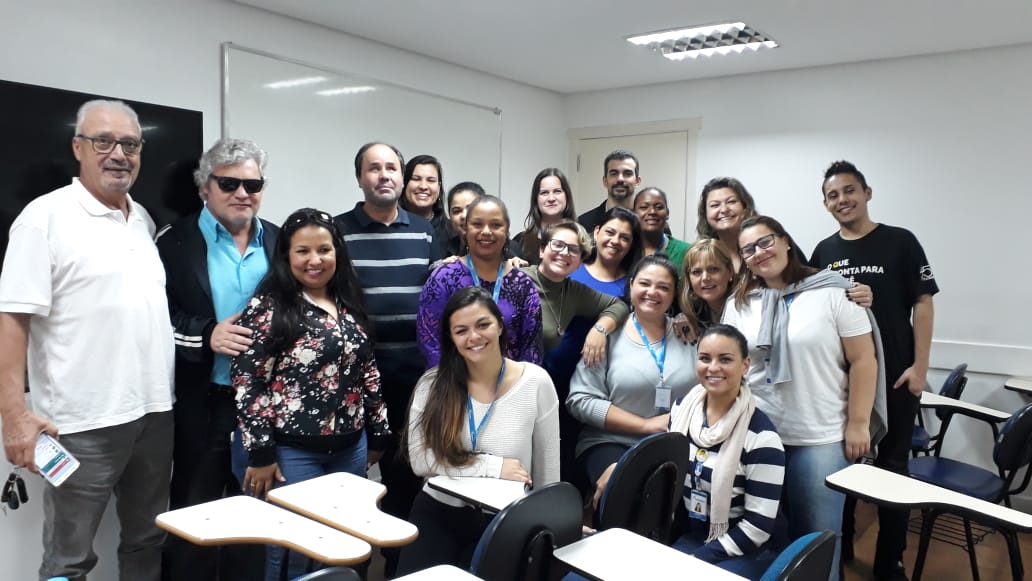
(230, 185)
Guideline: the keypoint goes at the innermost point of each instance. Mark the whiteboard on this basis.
(312, 137)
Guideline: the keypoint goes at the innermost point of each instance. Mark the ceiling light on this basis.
(295, 82)
(682, 43)
(345, 91)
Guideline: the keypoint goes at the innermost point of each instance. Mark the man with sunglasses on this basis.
(83, 308)
(892, 262)
(214, 260)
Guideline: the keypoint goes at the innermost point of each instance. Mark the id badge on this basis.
(698, 505)
(663, 393)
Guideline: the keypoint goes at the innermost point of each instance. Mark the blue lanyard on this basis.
(789, 299)
(475, 429)
(659, 358)
(498, 281)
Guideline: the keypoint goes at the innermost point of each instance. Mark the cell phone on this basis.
(53, 461)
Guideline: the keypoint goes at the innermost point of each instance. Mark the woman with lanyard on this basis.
(646, 370)
(737, 462)
(617, 249)
(487, 233)
(814, 370)
(476, 414)
(650, 204)
(576, 319)
(550, 201)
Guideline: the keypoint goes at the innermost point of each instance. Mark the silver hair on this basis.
(229, 152)
(88, 106)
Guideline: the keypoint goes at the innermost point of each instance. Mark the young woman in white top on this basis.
(813, 369)
(477, 413)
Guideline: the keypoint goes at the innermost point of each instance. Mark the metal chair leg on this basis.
(971, 550)
(927, 522)
(1014, 551)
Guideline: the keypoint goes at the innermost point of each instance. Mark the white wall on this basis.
(168, 53)
(943, 141)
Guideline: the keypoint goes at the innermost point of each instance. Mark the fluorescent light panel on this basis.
(714, 39)
(345, 91)
(299, 82)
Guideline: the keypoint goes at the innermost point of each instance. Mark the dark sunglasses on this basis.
(230, 185)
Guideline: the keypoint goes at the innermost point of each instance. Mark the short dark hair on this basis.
(624, 215)
(474, 187)
(725, 330)
(618, 155)
(365, 148)
(840, 167)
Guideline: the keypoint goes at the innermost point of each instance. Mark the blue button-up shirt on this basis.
(233, 277)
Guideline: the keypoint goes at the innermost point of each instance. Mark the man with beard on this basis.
(392, 251)
(620, 178)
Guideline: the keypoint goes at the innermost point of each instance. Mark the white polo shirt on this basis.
(100, 340)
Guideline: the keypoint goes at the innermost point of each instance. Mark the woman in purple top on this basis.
(487, 233)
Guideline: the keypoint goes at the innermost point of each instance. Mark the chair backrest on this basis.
(331, 574)
(518, 543)
(808, 557)
(1013, 448)
(645, 487)
(952, 388)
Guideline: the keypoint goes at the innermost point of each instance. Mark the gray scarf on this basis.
(773, 337)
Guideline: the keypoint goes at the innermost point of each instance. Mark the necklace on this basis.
(562, 301)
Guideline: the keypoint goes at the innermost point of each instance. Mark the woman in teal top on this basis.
(651, 207)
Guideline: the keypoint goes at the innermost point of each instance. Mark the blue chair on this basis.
(1012, 453)
(645, 487)
(518, 542)
(922, 442)
(808, 558)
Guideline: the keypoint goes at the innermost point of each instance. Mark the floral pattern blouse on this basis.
(326, 384)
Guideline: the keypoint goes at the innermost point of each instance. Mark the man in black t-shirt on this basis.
(891, 261)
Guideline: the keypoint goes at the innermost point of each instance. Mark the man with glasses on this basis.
(620, 178)
(392, 251)
(82, 306)
(214, 260)
(892, 262)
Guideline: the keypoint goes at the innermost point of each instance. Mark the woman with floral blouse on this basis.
(308, 391)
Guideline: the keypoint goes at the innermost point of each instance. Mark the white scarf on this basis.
(731, 429)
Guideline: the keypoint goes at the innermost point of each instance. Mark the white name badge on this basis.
(663, 393)
(698, 507)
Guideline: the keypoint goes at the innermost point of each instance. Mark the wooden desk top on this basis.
(492, 494)
(934, 400)
(439, 573)
(888, 488)
(347, 502)
(1019, 384)
(619, 554)
(244, 519)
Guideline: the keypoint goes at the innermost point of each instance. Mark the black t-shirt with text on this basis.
(891, 261)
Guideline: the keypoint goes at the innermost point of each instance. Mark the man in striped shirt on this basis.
(392, 250)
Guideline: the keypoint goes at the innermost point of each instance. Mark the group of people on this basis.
(416, 332)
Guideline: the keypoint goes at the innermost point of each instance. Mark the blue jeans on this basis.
(748, 566)
(806, 501)
(298, 465)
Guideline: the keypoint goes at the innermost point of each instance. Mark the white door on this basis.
(666, 160)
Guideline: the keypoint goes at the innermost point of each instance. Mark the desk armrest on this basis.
(978, 412)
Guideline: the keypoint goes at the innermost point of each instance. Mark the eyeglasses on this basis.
(107, 145)
(230, 185)
(559, 247)
(763, 243)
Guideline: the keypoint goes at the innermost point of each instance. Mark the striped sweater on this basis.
(755, 495)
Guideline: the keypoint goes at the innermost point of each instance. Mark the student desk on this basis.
(349, 503)
(934, 400)
(888, 488)
(244, 519)
(439, 573)
(618, 555)
(1022, 385)
(491, 494)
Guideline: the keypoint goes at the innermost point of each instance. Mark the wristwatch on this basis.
(598, 327)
